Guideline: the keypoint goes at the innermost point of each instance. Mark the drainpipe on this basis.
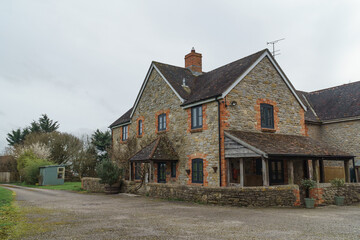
(219, 139)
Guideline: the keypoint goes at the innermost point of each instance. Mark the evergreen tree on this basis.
(102, 142)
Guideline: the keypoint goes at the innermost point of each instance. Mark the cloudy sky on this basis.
(82, 62)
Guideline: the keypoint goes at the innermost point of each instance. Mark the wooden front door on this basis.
(161, 172)
(276, 172)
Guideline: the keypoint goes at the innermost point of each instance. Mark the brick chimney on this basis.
(193, 62)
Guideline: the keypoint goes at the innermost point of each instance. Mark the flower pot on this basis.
(113, 189)
(339, 201)
(309, 202)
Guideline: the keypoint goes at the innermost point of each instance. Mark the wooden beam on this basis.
(290, 164)
(347, 170)
(310, 169)
(228, 172)
(315, 166)
(241, 172)
(322, 171)
(265, 171)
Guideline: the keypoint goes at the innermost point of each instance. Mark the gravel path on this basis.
(123, 216)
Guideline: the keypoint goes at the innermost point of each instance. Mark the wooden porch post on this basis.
(315, 166)
(265, 171)
(322, 171)
(347, 170)
(228, 172)
(151, 175)
(241, 172)
(310, 169)
(291, 171)
(130, 171)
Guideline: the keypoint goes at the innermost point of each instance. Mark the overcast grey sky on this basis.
(83, 62)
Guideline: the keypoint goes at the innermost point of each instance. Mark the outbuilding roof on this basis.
(334, 103)
(287, 145)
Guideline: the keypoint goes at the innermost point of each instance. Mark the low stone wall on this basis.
(92, 184)
(324, 193)
(287, 195)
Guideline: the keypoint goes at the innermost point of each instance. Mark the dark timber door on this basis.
(276, 172)
(162, 172)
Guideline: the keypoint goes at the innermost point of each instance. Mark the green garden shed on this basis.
(52, 175)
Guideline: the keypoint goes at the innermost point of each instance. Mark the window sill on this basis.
(195, 130)
(268, 130)
(162, 131)
(139, 136)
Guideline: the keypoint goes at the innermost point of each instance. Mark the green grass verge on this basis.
(69, 186)
(8, 213)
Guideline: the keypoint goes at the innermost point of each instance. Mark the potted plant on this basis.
(308, 184)
(109, 174)
(338, 183)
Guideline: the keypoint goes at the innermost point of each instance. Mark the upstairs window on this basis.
(196, 117)
(124, 133)
(162, 122)
(267, 115)
(197, 170)
(140, 128)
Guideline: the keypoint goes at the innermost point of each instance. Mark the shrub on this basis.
(308, 184)
(337, 182)
(32, 171)
(23, 160)
(108, 171)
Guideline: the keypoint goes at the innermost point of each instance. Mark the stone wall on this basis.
(92, 184)
(157, 98)
(325, 193)
(264, 85)
(342, 135)
(287, 195)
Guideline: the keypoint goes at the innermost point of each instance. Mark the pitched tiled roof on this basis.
(123, 119)
(175, 76)
(310, 114)
(215, 82)
(337, 102)
(289, 145)
(159, 149)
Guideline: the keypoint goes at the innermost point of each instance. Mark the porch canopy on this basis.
(270, 145)
(158, 150)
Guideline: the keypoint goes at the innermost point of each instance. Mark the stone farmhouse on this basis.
(242, 124)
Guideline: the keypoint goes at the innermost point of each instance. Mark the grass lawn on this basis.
(70, 186)
(8, 213)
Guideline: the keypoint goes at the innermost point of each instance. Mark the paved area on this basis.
(122, 216)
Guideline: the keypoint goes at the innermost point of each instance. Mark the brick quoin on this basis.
(205, 172)
(224, 125)
(297, 197)
(317, 194)
(258, 115)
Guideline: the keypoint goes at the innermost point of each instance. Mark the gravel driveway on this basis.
(123, 216)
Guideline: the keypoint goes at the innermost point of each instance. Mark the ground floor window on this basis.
(197, 170)
(162, 172)
(276, 172)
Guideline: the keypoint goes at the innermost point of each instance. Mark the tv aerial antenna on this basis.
(275, 52)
